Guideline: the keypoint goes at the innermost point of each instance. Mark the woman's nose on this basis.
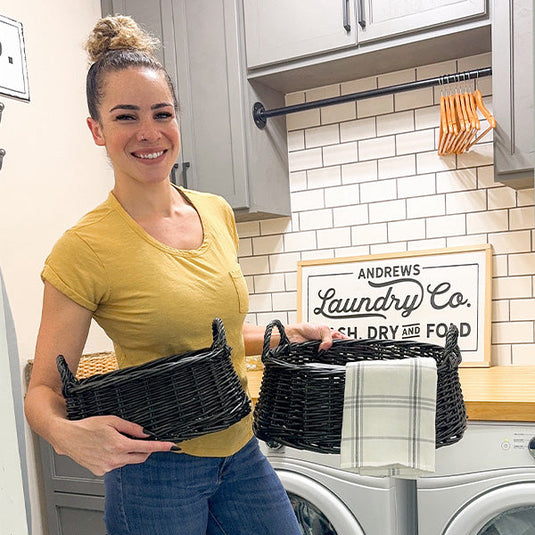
(148, 132)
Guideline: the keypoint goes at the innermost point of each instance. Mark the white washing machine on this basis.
(483, 485)
(331, 501)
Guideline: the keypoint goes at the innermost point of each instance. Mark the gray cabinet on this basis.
(74, 496)
(283, 30)
(222, 150)
(280, 30)
(512, 92)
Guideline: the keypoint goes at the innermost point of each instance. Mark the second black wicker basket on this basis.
(302, 391)
(174, 398)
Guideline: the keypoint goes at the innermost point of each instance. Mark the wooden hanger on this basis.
(486, 113)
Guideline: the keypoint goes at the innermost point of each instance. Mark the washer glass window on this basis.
(311, 520)
(517, 521)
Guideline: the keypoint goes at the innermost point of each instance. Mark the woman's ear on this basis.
(96, 131)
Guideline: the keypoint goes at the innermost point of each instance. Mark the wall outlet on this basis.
(13, 70)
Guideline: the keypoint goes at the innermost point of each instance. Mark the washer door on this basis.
(318, 510)
(507, 510)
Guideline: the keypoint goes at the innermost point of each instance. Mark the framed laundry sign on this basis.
(404, 296)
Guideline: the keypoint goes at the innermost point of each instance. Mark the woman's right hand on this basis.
(103, 443)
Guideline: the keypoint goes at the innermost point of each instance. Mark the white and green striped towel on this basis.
(388, 425)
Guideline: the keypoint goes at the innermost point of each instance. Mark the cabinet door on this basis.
(211, 98)
(379, 19)
(512, 92)
(278, 30)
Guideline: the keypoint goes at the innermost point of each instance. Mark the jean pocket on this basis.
(241, 290)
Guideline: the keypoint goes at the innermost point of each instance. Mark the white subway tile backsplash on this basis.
(336, 237)
(339, 154)
(300, 241)
(494, 221)
(513, 332)
(298, 181)
(415, 186)
(502, 198)
(399, 166)
(511, 242)
(522, 218)
(303, 119)
(307, 200)
(428, 206)
(305, 159)
(338, 113)
(523, 309)
(522, 264)
(387, 211)
(450, 225)
(283, 262)
(359, 172)
(466, 201)
(411, 229)
(269, 283)
(356, 214)
(315, 219)
(479, 61)
(373, 183)
(381, 147)
(324, 177)
(284, 301)
(268, 244)
(368, 234)
(418, 98)
(511, 287)
(298, 97)
(395, 123)
(431, 162)
(322, 135)
(296, 140)
(342, 195)
(380, 190)
(462, 180)
(279, 225)
(371, 107)
(358, 129)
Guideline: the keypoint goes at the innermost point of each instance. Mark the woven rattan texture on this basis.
(174, 398)
(96, 364)
(302, 391)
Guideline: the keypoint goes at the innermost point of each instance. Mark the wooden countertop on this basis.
(498, 393)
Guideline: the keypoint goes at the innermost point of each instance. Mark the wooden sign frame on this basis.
(404, 296)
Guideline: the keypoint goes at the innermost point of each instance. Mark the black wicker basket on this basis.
(302, 391)
(174, 398)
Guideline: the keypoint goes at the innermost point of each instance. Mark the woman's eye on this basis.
(163, 115)
(125, 117)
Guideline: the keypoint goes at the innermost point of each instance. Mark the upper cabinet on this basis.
(512, 92)
(282, 31)
(382, 19)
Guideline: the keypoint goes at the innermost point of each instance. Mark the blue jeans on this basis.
(179, 494)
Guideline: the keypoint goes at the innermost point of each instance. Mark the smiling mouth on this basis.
(149, 156)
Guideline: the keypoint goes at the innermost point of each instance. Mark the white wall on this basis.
(52, 172)
(366, 179)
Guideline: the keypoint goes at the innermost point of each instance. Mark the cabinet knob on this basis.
(1, 109)
(2, 154)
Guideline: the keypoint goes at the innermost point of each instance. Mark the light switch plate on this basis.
(13, 69)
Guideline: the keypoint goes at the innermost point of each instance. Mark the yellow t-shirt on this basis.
(153, 300)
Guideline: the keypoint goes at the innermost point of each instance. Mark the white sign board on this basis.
(13, 70)
(405, 296)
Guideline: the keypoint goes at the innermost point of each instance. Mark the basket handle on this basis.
(451, 349)
(68, 380)
(218, 335)
(284, 341)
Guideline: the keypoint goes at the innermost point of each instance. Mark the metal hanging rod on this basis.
(260, 114)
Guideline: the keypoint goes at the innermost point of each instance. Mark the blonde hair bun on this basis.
(119, 33)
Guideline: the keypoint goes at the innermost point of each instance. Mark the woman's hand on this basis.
(302, 332)
(104, 443)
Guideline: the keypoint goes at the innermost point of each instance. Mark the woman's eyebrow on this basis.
(137, 108)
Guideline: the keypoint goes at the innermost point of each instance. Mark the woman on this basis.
(153, 264)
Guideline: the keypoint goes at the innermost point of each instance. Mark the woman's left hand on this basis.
(302, 332)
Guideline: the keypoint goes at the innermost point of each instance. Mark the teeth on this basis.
(150, 156)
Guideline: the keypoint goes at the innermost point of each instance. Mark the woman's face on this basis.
(137, 125)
